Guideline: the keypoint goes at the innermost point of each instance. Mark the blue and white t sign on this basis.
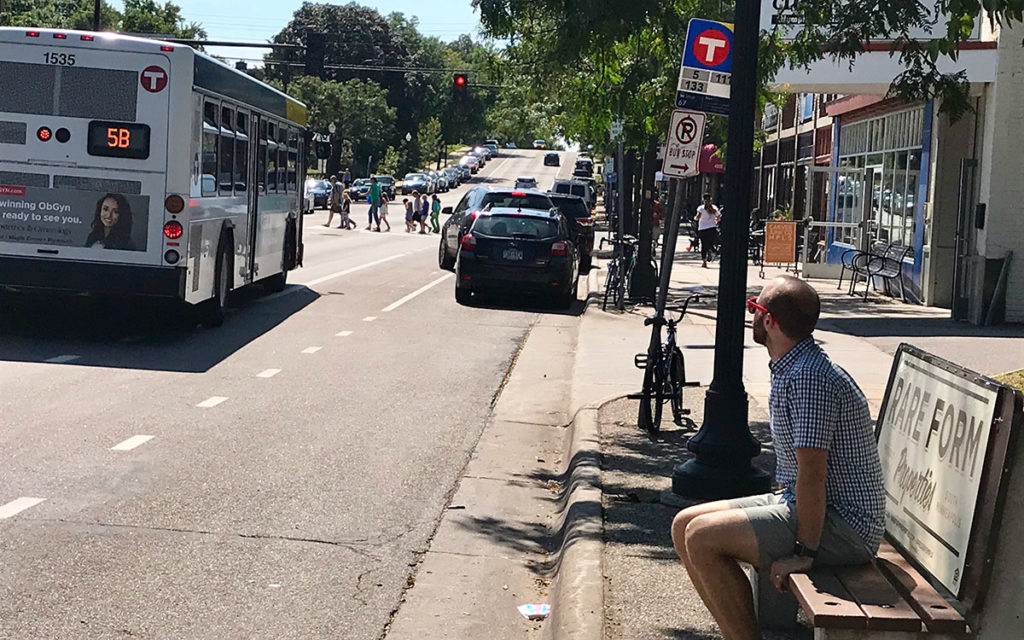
(708, 45)
(706, 72)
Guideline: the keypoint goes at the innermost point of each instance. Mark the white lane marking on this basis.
(211, 402)
(62, 359)
(313, 283)
(311, 349)
(14, 507)
(343, 334)
(131, 443)
(369, 318)
(268, 373)
(394, 305)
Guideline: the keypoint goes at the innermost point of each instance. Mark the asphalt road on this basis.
(278, 477)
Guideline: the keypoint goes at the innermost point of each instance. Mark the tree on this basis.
(393, 163)
(147, 16)
(140, 16)
(359, 110)
(429, 140)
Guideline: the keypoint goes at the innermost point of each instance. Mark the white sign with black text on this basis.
(933, 439)
(683, 143)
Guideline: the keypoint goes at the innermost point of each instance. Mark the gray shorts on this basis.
(774, 523)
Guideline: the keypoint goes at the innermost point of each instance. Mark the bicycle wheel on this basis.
(610, 283)
(649, 414)
(677, 378)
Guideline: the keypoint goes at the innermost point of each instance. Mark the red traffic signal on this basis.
(460, 80)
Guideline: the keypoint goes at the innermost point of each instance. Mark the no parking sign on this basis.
(683, 143)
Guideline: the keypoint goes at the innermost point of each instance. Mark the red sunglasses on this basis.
(752, 306)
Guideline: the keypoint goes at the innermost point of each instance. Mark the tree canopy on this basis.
(139, 16)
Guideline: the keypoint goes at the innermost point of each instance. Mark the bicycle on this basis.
(620, 271)
(664, 372)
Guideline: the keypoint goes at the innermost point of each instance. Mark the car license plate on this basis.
(512, 254)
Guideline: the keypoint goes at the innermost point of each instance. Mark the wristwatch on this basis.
(803, 551)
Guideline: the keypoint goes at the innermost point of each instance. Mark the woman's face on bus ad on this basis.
(109, 214)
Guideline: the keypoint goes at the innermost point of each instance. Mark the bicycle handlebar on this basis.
(686, 303)
(626, 241)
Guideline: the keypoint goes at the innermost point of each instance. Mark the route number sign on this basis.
(706, 71)
(684, 140)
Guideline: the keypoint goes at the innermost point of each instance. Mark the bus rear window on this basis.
(100, 94)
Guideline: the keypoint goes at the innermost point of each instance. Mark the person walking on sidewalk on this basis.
(435, 211)
(831, 510)
(707, 218)
(409, 224)
(373, 217)
(384, 212)
(424, 212)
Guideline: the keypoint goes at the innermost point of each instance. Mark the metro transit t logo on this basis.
(708, 45)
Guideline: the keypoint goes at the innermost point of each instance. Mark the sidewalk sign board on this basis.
(683, 143)
(943, 436)
(706, 70)
(780, 242)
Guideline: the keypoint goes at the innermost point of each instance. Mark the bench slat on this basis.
(936, 613)
(885, 609)
(826, 601)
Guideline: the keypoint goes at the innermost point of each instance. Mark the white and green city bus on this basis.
(137, 167)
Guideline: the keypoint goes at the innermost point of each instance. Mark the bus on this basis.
(137, 167)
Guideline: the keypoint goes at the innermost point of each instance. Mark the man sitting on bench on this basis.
(832, 506)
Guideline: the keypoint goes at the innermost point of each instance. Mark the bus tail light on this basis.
(88, 38)
(174, 203)
(173, 230)
(166, 47)
(44, 134)
(60, 36)
(32, 34)
(172, 256)
(559, 249)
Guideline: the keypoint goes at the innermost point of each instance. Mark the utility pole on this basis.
(96, 15)
(724, 446)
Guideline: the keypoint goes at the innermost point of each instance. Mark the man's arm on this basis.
(812, 469)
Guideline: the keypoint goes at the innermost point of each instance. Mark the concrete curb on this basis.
(577, 589)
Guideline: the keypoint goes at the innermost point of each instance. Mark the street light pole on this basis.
(724, 446)
(96, 15)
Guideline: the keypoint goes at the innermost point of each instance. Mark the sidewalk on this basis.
(642, 588)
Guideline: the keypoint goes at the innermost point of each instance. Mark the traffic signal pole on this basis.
(724, 446)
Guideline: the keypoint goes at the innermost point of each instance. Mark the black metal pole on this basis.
(724, 446)
(642, 286)
(96, 15)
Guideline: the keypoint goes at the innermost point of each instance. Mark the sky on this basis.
(260, 20)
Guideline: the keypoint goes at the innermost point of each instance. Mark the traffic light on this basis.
(459, 84)
(315, 49)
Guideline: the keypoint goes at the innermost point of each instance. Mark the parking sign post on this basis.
(724, 446)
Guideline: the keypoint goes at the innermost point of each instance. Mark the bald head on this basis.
(794, 303)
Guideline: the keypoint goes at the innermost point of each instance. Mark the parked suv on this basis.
(475, 200)
(581, 224)
(520, 249)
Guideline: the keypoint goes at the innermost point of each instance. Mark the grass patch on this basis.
(1013, 378)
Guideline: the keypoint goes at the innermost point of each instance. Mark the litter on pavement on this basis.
(534, 611)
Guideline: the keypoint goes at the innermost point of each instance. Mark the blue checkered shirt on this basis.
(815, 404)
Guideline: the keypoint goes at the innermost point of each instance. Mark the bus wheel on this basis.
(213, 310)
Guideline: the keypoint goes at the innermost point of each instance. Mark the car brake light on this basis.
(32, 34)
(60, 36)
(559, 249)
(518, 193)
(173, 230)
(585, 222)
(468, 242)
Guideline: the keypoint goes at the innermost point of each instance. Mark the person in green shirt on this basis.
(374, 217)
(435, 211)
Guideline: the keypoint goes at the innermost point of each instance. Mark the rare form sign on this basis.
(933, 437)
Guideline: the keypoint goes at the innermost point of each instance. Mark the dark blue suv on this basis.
(523, 250)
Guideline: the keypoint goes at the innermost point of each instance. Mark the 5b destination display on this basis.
(118, 139)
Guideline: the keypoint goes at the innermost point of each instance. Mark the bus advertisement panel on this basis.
(68, 218)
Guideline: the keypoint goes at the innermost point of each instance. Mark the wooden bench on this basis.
(885, 600)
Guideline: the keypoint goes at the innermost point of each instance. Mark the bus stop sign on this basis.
(706, 71)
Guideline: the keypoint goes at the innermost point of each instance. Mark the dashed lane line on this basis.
(338, 274)
(62, 359)
(369, 318)
(268, 373)
(14, 507)
(343, 334)
(131, 443)
(311, 349)
(394, 305)
(212, 401)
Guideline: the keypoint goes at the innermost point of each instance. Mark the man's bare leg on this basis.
(714, 544)
(679, 524)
